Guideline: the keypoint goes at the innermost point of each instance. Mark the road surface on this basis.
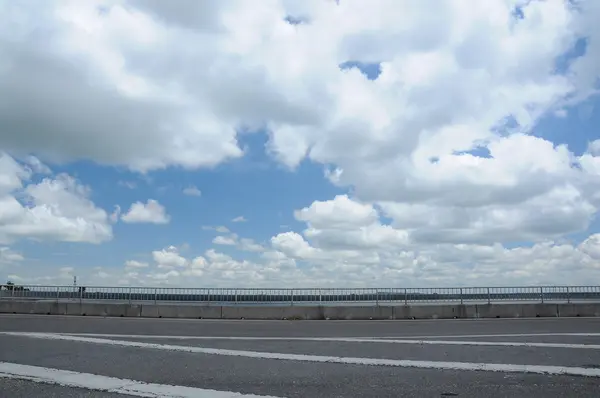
(46, 356)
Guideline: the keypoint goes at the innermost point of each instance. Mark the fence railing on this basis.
(310, 296)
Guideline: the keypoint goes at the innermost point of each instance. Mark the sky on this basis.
(300, 143)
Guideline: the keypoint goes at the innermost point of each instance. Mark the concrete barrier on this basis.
(542, 310)
(258, 312)
(434, 311)
(363, 313)
(101, 309)
(441, 311)
(6, 307)
(500, 310)
(526, 310)
(575, 310)
(180, 311)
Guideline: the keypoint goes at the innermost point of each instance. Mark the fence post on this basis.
(57, 294)
(461, 295)
(292, 297)
(405, 296)
(377, 298)
(489, 296)
(542, 293)
(155, 296)
(208, 297)
(235, 296)
(129, 295)
(568, 295)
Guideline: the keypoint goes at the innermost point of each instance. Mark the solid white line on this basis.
(345, 340)
(460, 336)
(94, 382)
(553, 370)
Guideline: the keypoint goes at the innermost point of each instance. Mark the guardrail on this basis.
(311, 296)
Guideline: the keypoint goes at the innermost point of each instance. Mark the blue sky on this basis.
(404, 149)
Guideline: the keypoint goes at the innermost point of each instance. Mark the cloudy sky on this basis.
(300, 142)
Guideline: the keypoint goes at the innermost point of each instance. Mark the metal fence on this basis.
(311, 296)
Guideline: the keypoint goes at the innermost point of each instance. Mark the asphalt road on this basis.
(419, 358)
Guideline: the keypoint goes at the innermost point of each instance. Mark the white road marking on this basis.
(495, 367)
(344, 340)
(94, 382)
(460, 336)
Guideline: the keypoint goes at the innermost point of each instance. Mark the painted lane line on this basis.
(460, 336)
(490, 367)
(347, 340)
(94, 382)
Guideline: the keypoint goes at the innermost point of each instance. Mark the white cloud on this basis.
(225, 240)
(169, 257)
(339, 213)
(249, 245)
(8, 256)
(36, 166)
(239, 219)
(423, 265)
(149, 212)
(135, 264)
(56, 208)
(114, 216)
(192, 191)
(220, 229)
(437, 152)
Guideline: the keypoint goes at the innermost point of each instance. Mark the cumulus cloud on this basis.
(149, 212)
(192, 191)
(225, 240)
(239, 219)
(8, 256)
(436, 148)
(133, 264)
(57, 208)
(169, 258)
(250, 245)
(221, 229)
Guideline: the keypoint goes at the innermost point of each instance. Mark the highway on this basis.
(46, 356)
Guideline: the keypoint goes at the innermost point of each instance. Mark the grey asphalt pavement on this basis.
(27, 389)
(295, 374)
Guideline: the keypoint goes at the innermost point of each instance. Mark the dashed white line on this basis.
(540, 369)
(94, 382)
(347, 340)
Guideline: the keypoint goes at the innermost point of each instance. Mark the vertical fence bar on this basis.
(461, 295)
(542, 294)
(208, 296)
(155, 296)
(405, 296)
(292, 297)
(130, 296)
(57, 294)
(489, 296)
(568, 295)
